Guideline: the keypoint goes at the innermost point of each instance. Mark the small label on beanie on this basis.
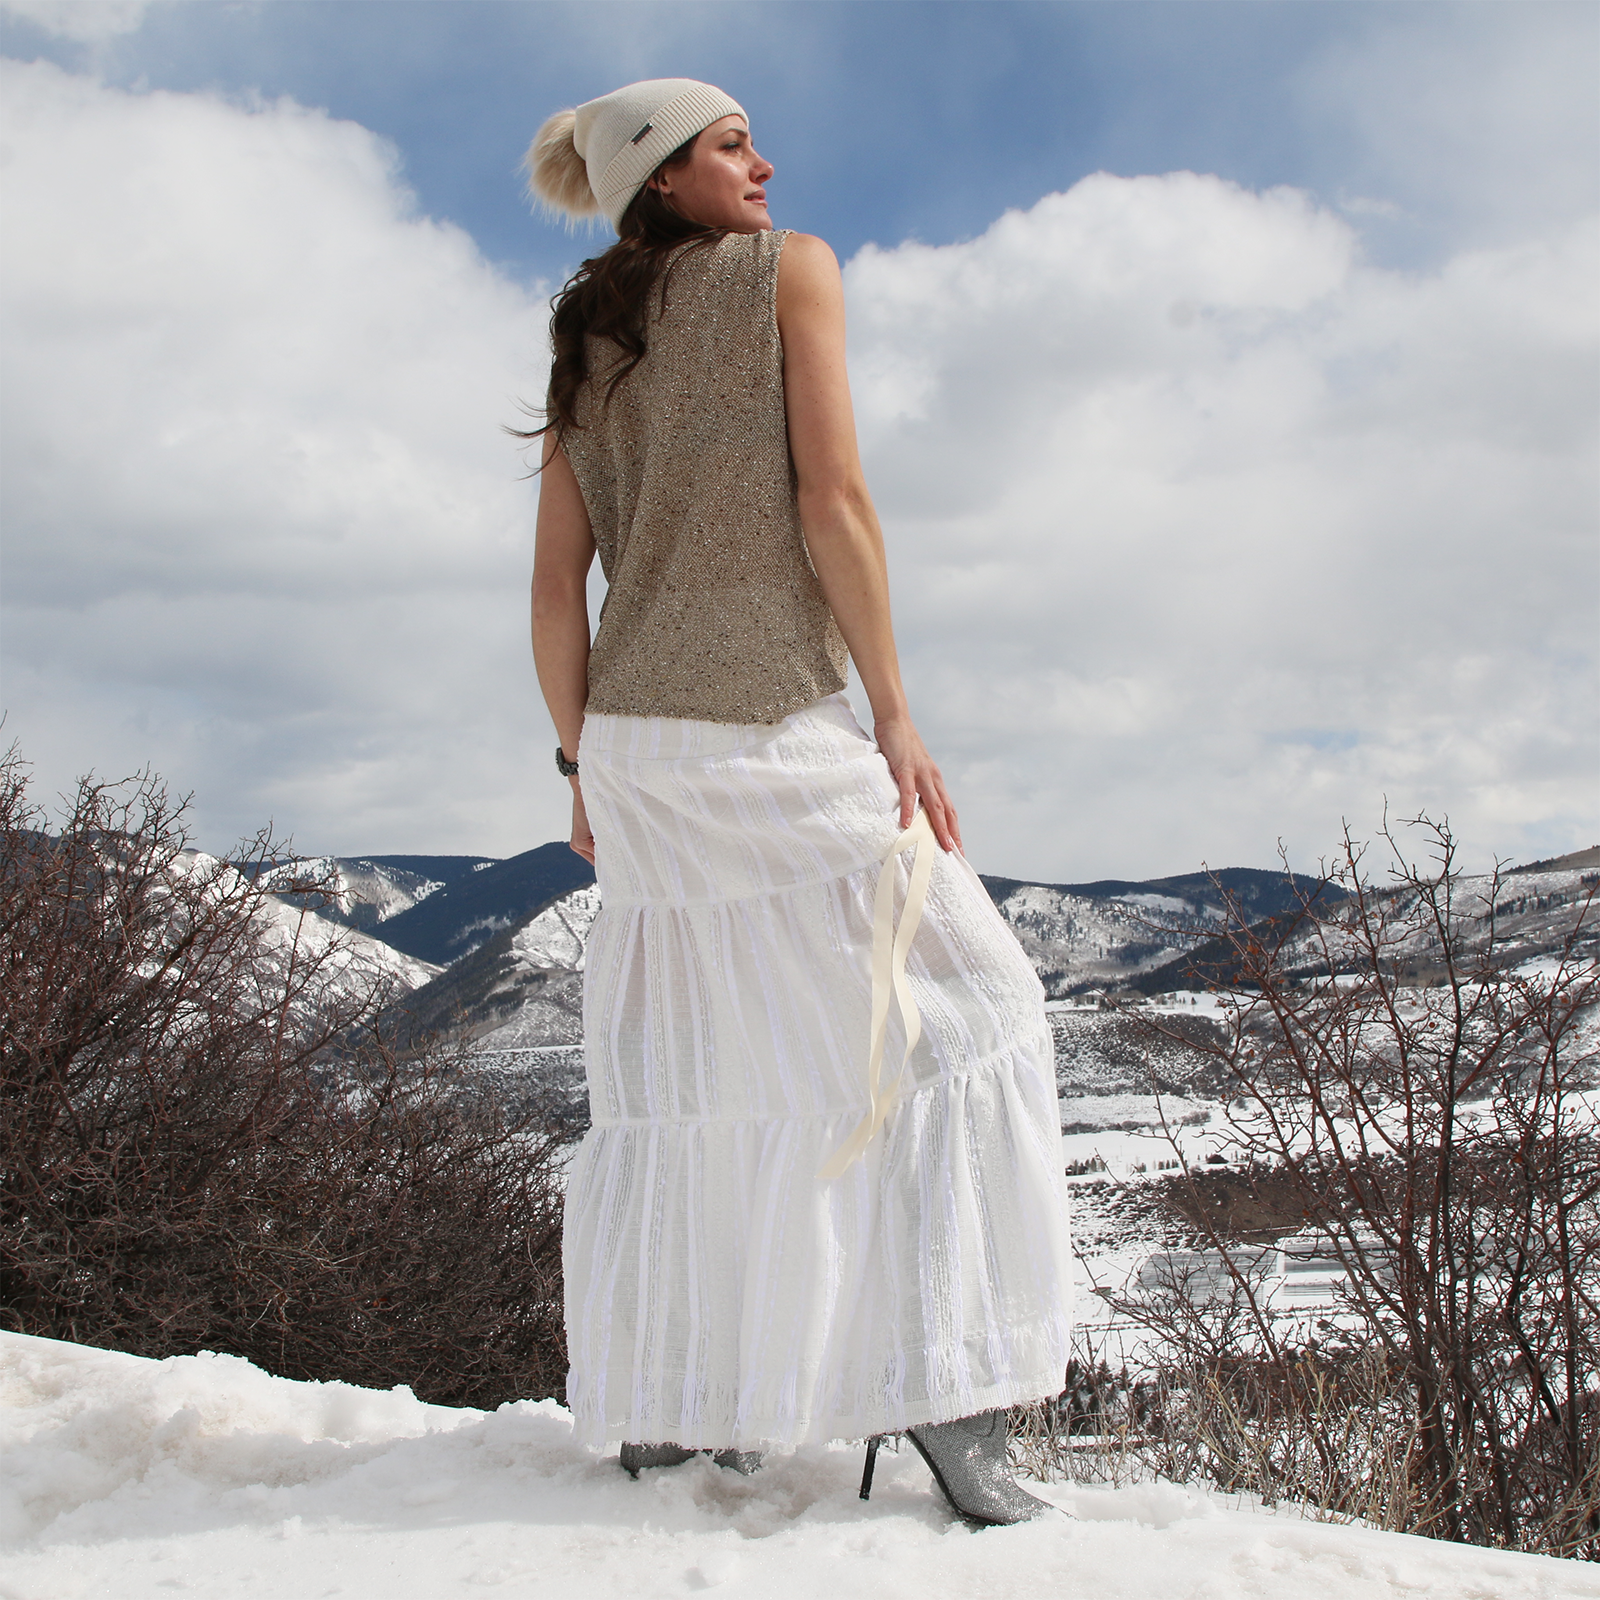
(641, 133)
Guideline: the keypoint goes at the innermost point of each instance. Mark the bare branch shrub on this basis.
(202, 1143)
(1329, 1430)
(1424, 1101)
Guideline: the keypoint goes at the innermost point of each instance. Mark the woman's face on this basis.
(721, 183)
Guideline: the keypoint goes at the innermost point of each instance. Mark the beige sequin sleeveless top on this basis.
(714, 611)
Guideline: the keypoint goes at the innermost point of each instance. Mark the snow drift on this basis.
(128, 1477)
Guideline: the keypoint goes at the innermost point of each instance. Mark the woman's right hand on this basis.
(582, 835)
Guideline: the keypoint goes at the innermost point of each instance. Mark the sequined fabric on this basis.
(713, 610)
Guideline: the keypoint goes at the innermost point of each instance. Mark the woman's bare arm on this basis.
(836, 512)
(562, 555)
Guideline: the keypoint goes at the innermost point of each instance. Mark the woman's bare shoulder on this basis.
(807, 270)
(805, 253)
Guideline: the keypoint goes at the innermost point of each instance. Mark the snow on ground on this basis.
(1127, 1111)
(129, 1478)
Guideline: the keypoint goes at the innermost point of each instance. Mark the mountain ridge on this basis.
(456, 920)
(1260, 891)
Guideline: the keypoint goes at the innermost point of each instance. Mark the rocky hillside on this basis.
(523, 987)
(1112, 933)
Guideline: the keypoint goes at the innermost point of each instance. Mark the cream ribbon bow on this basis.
(890, 947)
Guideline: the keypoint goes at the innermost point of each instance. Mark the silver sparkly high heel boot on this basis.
(967, 1458)
(636, 1458)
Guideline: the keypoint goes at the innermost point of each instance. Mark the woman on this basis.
(774, 1234)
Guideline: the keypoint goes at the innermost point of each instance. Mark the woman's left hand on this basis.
(582, 834)
(919, 778)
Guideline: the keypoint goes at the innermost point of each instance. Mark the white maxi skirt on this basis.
(718, 1291)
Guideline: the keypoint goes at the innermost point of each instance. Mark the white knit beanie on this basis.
(597, 158)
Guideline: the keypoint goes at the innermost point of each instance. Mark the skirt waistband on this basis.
(684, 739)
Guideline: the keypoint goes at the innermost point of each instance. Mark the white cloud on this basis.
(84, 21)
(262, 527)
(1204, 532)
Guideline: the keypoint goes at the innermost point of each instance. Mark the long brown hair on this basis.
(609, 295)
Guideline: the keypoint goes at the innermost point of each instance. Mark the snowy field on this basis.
(124, 1478)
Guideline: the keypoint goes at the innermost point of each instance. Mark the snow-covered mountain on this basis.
(1531, 911)
(1528, 913)
(1076, 942)
(522, 988)
(519, 999)
(557, 937)
(537, 996)
(473, 909)
(362, 894)
(369, 890)
(289, 929)
(1083, 937)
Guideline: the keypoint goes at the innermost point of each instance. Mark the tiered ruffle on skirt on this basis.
(718, 1293)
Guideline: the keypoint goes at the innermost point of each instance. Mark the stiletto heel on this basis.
(871, 1462)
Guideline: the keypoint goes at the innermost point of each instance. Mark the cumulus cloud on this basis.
(263, 529)
(1207, 533)
(1204, 530)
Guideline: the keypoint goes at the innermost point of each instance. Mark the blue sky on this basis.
(1228, 494)
(890, 119)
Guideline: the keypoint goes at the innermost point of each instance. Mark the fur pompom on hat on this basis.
(594, 160)
(556, 173)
